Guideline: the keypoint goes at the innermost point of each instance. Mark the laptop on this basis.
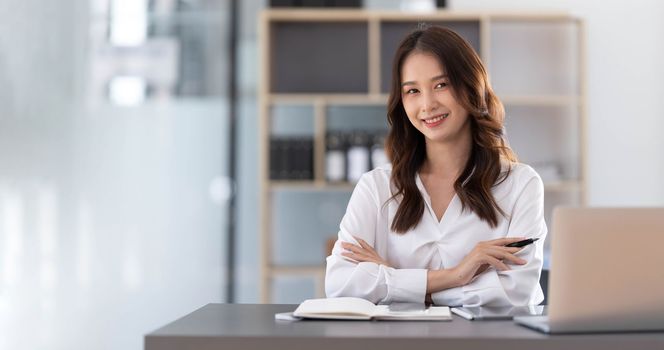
(606, 271)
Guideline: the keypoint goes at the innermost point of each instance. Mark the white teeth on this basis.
(433, 120)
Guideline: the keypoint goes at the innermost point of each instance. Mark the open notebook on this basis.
(359, 309)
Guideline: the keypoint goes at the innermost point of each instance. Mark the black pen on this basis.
(522, 243)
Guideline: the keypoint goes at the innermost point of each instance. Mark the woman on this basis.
(434, 225)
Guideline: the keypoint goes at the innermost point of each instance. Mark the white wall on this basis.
(625, 51)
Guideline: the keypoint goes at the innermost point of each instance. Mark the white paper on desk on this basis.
(431, 313)
(286, 316)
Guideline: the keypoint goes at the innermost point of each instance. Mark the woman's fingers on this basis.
(503, 254)
(354, 256)
(349, 255)
(350, 246)
(364, 247)
(358, 258)
(489, 254)
(362, 253)
(497, 264)
(364, 244)
(358, 251)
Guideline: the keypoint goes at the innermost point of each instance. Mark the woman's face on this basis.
(429, 100)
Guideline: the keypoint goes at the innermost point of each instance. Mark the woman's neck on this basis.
(447, 160)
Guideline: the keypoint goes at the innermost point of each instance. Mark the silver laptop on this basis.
(607, 271)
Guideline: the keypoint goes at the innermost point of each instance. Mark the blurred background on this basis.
(130, 156)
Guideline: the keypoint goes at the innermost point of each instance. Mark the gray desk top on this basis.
(249, 326)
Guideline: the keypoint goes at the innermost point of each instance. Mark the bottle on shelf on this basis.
(378, 155)
(335, 157)
(358, 155)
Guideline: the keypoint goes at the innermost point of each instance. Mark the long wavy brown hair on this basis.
(405, 145)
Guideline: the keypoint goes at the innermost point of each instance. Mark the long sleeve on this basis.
(373, 282)
(520, 285)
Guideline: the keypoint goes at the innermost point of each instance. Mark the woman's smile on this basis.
(435, 120)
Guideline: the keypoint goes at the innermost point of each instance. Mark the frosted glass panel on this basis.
(112, 219)
(113, 223)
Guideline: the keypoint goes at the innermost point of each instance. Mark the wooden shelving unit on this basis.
(553, 87)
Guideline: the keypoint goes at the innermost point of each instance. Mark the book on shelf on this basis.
(348, 308)
(291, 158)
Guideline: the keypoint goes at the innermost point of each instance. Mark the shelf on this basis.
(332, 91)
(534, 16)
(380, 99)
(563, 186)
(341, 15)
(338, 15)
(540, 100)
(312, 270)
(304, 185)
(311, 15)
(299, 185)
(350, 99)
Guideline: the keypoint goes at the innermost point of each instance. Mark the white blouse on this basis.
(439, 245)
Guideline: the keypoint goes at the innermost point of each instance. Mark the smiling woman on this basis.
(435, 224)
(437, 73)
(422, 101)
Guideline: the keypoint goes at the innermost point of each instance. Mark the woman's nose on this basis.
(429, 103)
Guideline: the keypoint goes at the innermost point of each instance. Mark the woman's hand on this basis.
(487, 254)
(362, 253)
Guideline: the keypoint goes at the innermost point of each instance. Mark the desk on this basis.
(248, 326)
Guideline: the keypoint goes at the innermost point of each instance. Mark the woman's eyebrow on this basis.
(437, 77)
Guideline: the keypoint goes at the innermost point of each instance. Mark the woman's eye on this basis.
(441, 85)
(411, 91)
